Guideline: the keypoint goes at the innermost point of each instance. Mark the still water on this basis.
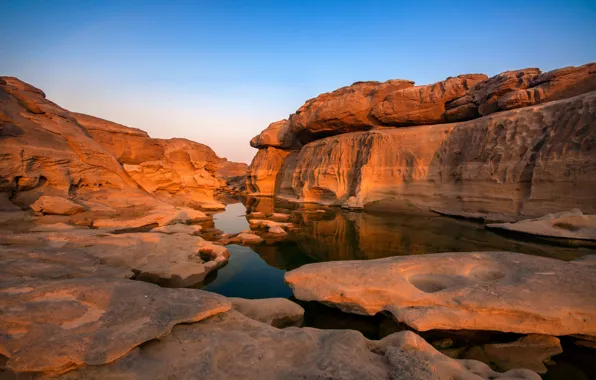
(325, 234)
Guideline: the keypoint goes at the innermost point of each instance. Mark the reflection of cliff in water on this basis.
(339, 235)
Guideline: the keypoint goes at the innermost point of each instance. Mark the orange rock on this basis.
(56, 206)
(500, 291)
(276, 135)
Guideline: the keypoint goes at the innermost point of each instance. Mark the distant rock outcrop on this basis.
(50, 151)
(518, 144)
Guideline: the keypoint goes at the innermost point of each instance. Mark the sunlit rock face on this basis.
(44, 151)
(174, 168)
(509, 145)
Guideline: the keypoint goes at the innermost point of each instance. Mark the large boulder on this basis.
(231, 346)
(276, 135)
(498, 291)
(57, 326)
(423, 105)
(344, 110)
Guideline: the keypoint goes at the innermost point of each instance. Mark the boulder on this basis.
(528, 352)
(57, 326)
(423, 105)
(230, 345)
(276, 135)
(277, 312)
(344, 110)
(245, 238)
(500, 291)
(567, 225)
(56, 206)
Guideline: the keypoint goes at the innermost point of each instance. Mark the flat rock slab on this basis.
(53, 264)
(173, 260)
(232, 346)
(161, 216)
(499, 291)
(567, 225)
(56, 326)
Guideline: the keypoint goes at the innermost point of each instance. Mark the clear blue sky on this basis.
(218, 72)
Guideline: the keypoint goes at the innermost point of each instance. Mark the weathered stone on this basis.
(501, 291)
(161, 216)
(230, 345)
(175, 260)
(513, 163)
(276, 135)
(344, 110)
(422, 105)
(262, 174)
(56, 206)
(245, 238)
(528, 352)
(277, 312)
(56, 326)
(568, 225)
(486, 94)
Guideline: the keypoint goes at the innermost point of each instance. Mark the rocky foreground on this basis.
(517, 145)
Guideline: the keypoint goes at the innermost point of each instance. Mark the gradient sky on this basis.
(218, 72)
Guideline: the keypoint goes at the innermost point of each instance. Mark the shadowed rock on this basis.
(501, 291)
(277, 312)
(230, 346)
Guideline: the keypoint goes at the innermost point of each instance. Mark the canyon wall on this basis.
(48, 150)
(522, 143)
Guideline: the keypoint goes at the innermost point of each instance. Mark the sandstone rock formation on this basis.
(569, 225)
(50, 151)
(175, 168)
(501, 291)
(56, 326)
(276, 135)
(56, 206)
(174, 260)
(230, 345)
(534, 143)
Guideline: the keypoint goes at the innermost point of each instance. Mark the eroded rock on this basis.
(56, 206)
(276, 135)
(57, 326)
(569, 225)
(230, 345)
(500, 291)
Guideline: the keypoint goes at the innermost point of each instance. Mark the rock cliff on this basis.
(519, 144)
(48, 150)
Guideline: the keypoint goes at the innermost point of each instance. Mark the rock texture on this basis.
(344, 110)
(568, 225)
(174, 260)
(56, 326)
(56, 206)
(276, 135)
(500, 148)
(501, 291)
(230, 345)
(175, 168)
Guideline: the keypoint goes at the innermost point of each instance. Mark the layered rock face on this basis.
(522, 144)
(178, 168)
(47, 150)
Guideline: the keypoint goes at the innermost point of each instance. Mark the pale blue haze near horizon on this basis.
(218, 72)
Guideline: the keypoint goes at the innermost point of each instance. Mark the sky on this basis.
(218, 72)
